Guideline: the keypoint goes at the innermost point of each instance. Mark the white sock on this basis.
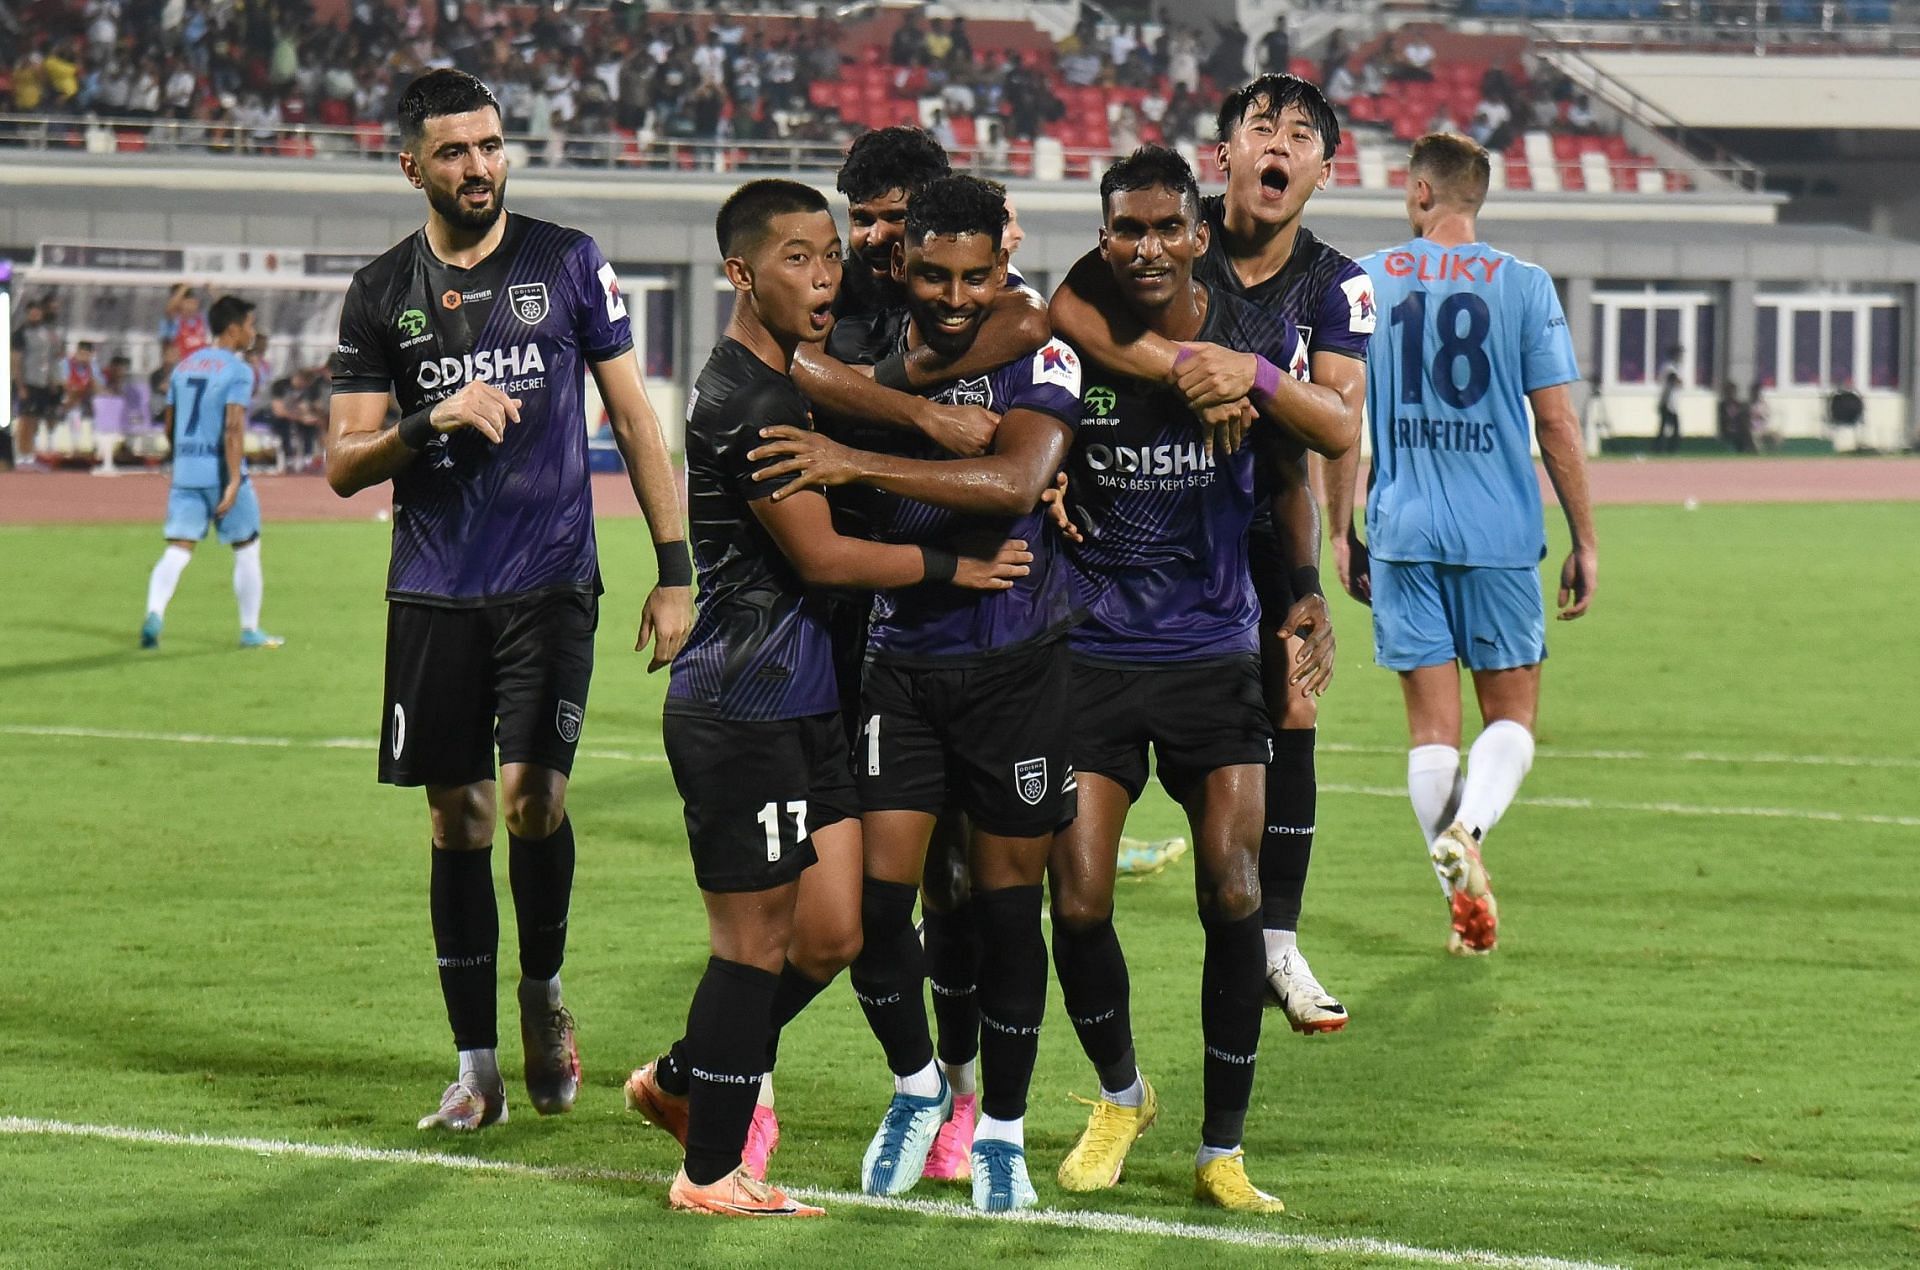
(549, 989)
(1278, 941)
(961, 1077)
(1207, 1155)
(248, 588)
(481, 1069)
(766, 1092)
(1496, 765)
(1133, 1095)
(1014, 1131)
(924, 1083)
(165, 577)
(1433, 784)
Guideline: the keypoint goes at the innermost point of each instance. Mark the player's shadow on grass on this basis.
(96, 661)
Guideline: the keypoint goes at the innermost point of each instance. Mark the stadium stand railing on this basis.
(1537, 161)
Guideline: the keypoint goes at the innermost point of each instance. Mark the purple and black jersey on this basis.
(1321, 291)
(475, 523)
(945, 625)
(1163, 571)
(760, 648)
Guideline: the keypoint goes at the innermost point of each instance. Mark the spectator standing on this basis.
(1276, 49)
(41, 353)
(1667, 438)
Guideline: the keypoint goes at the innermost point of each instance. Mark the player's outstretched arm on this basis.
(1558, 429)
(363, 451)
(1324, 412)
(1088, 311)
(1029, 449)
(1339, 479)
(667, 615)
(847, 393)
(803, 530)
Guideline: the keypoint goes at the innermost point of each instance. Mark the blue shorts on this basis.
(190, 511)
(1426, 614)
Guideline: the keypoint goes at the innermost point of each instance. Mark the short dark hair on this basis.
(887, 159)
(441, 92)
(228, 310)
(1454, 164)
(1279, 92)
(749, 210)
(1147, 167)
(954, 205)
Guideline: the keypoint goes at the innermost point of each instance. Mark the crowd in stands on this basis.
(78, 403)
(268, 75)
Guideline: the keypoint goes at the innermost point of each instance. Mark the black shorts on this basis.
(990, 739)
(1199, 717)
(460, 681)
(44, 403)
(755, 792)
(1272, 577)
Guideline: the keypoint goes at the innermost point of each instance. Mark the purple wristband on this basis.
(1266, 377)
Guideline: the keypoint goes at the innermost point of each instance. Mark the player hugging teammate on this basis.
(910, 679)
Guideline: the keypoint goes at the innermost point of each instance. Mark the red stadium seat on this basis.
(128, 141)
(1518, 177)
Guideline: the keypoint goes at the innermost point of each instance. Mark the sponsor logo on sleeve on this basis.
(1360, 313)
(529, 301)
(1057, 364)
(610, 287)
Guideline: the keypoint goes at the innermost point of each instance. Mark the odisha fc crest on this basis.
(529, 301)
(567, 720)
(970, 392)
(1030, 780)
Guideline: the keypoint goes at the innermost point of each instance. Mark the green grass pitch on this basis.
(1697, 1043)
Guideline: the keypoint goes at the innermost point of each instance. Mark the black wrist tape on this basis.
(892, 373)
(416, 429)
(1305, 581)
(675, 565)
(939, 563)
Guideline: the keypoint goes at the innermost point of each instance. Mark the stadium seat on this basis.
(1596, 174)
(129, 141)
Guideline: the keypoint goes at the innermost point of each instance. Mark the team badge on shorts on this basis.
(529, 301)
(567, 719)
(1030, 780)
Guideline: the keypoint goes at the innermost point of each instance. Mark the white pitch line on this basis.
(635, 756)
(1105, 1223)
(1776, 758)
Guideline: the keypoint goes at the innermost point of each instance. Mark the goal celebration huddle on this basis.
(967, 556)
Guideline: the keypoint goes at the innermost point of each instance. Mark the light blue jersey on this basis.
(202, 387)
(1464, 334)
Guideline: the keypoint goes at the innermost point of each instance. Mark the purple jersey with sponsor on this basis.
(760, 647)
(476, 523)
(1163, 571)
(947, 625)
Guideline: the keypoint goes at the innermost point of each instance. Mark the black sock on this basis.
(1013, 996)
(1232, 982)
(795, 993)
(670, 1073)
(540, 872)
(889, 973)
(466, 939)
(727, 1047)
(1287, 845)
(953, 972)
(1093, 983)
